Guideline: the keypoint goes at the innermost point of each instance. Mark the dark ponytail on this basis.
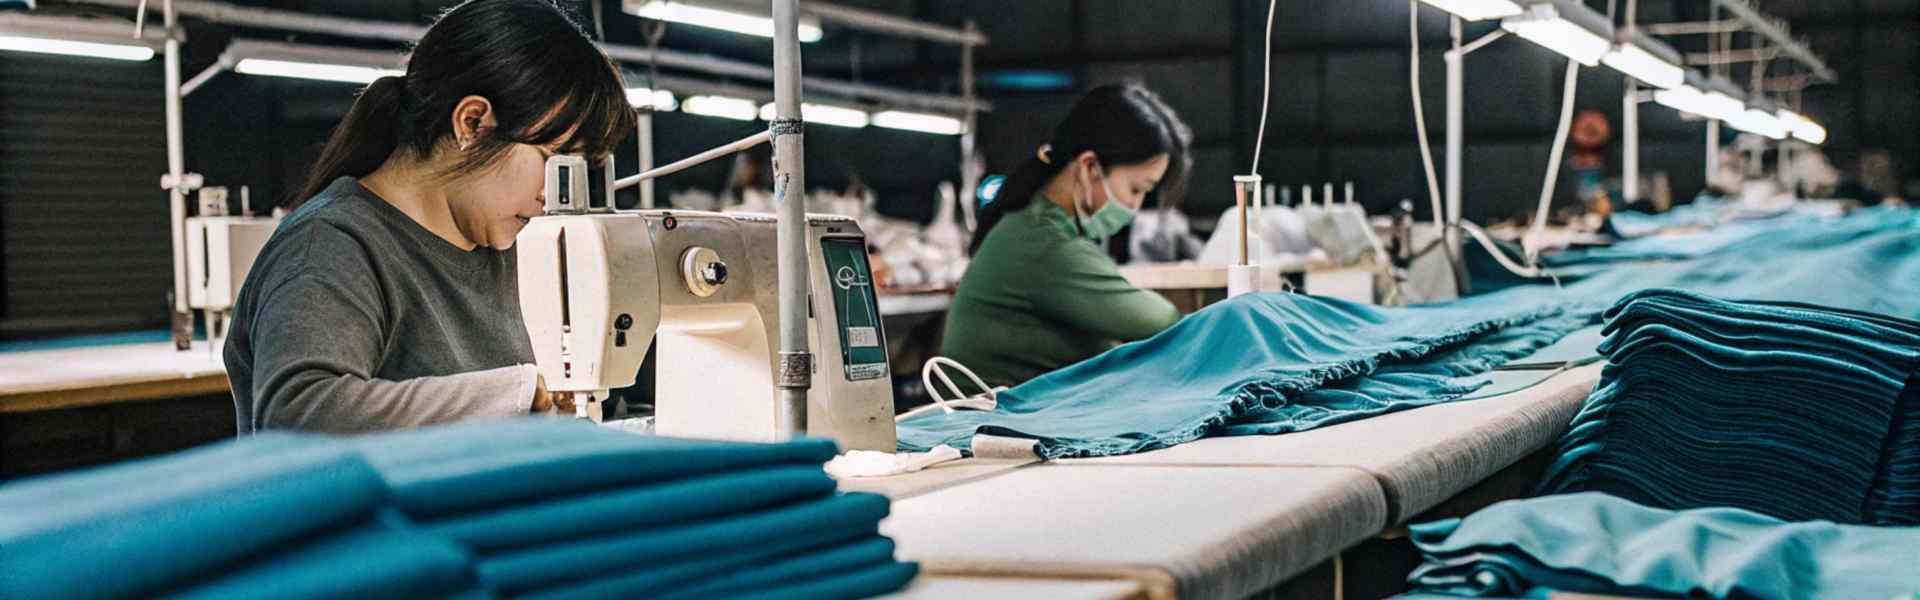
(362, 141)
(1123, 124)
(531, 61)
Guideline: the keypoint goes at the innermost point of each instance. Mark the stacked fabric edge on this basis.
(523, 508)
(1730, 450)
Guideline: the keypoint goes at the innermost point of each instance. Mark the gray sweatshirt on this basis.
(356, 318)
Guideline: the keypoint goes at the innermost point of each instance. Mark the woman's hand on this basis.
(546, 401)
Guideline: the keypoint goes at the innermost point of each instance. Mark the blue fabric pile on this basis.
(1260, 364)
(1804, 413)
(544, 506)
(1598, 544)
(520, 508)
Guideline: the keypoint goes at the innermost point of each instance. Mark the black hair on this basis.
(531, 61)
(1123, 124)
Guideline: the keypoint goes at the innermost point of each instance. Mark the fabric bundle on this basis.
(1599, 544)
(1798, 412)
(516, 508)
(207, 522)
(1260, 364)
(563, 509)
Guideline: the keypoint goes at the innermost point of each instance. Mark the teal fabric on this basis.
(1260, 364)
(662, 505)
(467, 511)
(1802, 411)
(378, 560)
(134, 528)
(863, 583)
(768, 567)
(1595, 543)
(1275, 363)
(464, 467)
(144, 336)
(557, 565)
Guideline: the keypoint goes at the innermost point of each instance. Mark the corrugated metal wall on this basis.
(83, 222)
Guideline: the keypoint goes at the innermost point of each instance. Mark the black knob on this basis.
(714, 273)
(623, 322)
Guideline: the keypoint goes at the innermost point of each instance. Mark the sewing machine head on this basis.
(598, 287)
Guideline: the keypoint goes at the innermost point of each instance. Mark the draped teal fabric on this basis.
(1276, 363)
(1258, 364)
(1595, 543)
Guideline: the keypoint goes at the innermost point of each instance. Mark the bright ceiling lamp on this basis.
(658, 100)
(1477, 10)
(738, 109)
(315, 71)
(921, 122)
(1803, 128)
(1565, 27)
(726, 20)
(823, 114)
(320, 63)
(1760, 119)
(1647, 60)
(71, 48)
(66, 36)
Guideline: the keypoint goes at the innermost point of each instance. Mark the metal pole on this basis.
(685, 163)
(1630, 126)
(789, 193)
(969, 173)
(176, 191)
(1456, 115)
(1630, 133)
(643, 141)
(1713, 149)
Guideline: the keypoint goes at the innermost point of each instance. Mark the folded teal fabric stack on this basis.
(550, 507)
(1790, 410)
(1261, 364)
(210, 522)
(1599, 544)
(514, 508)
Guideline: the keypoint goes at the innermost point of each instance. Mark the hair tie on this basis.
(1043, 154)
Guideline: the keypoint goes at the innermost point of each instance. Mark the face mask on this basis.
(1110, 219)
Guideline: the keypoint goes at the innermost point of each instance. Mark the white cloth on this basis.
(866, 463)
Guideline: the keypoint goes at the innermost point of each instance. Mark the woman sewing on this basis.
(1041, 293)
(389, 298)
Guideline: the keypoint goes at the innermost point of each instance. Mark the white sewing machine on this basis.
(220, 252)
(597, 287)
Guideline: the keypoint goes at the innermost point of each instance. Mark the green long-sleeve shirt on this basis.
(1039, 296)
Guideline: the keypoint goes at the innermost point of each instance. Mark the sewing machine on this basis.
(598, 287)
(220, 252)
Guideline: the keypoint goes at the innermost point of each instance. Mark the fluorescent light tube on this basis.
(1803, 128)
(823, 114)
(720, 106)
(1760, 122)
(1477, 10)
(317, 71)
(1635, 61)
(1545, 24)
(918, 122)
(658, 100)
(72, 48)
(679, 12)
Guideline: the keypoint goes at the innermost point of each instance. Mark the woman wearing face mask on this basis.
(1041, 293)
(389, 298)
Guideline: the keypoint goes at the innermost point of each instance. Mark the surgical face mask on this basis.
(1110, 219)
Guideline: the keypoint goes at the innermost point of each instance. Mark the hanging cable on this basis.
(1539, 226)
(1266, 92)
(1420, 116)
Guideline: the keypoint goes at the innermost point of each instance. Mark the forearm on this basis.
(319, 400)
